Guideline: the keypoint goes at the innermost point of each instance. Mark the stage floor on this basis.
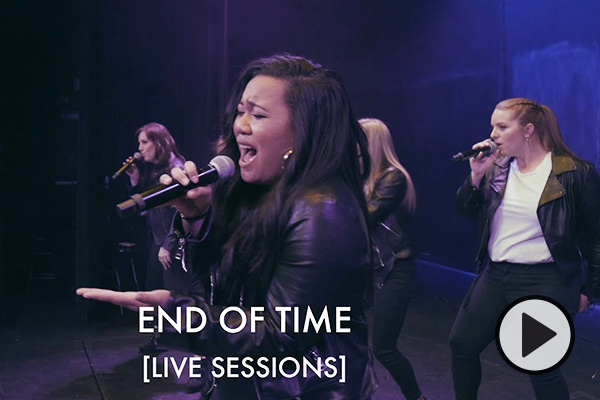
(46, 352)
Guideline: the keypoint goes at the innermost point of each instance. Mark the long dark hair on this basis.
(327, 142)
(166, 149)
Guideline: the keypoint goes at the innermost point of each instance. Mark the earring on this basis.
(286, 158)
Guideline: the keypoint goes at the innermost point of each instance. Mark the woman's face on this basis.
(263, 130)
(147, 147)
(508, 133)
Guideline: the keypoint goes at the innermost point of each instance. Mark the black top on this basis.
(390, 223)
(323, 262)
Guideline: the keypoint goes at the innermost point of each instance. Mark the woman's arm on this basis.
(387, 195)
(590, 211)
(469, 199)
(196, 202)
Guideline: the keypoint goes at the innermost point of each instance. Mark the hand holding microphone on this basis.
(481, 157)
(127, 164)
(190, 181)
(486, 147)
(196, 200)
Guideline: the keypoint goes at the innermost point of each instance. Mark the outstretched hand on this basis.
(130, 300)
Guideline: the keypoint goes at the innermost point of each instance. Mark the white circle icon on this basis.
(535, 334)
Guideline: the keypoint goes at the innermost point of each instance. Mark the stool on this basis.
(126, 251)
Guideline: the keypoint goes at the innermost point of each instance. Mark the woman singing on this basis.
(539, 211)
(159, 155)
(288, 230)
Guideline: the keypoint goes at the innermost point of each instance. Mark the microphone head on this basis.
(137, 155)
(224, 166)
(493, 147)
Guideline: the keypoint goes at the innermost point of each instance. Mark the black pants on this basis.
(390, 305)
(491, 292)
(174, 278)
(154, 269)
(184, 282)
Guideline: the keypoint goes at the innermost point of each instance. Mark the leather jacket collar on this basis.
(553, 189)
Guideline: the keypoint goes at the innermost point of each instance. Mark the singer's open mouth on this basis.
(248, 154)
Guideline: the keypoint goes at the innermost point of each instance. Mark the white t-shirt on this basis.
(516, 234)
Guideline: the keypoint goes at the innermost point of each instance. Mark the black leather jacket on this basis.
(390, 223)
(323, 262)
(569, 214)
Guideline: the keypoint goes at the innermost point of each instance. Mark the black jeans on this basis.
(174, 278)
(389, 309)
(154, 269)
(491, 292)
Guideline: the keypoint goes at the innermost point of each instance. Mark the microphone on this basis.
(136, 157)
(464, 155)
(219, 167)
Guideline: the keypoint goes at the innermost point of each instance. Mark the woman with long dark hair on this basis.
(288, 230)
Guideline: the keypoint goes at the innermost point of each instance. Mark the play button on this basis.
(535, 334)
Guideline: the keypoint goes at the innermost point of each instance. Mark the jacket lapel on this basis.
(554, 189)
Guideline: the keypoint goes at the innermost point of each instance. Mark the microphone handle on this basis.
(161, 194)
(470, 153)
(123, 168)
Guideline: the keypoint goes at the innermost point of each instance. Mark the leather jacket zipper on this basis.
(379, 256)
(212, 287)
(180, 253)
(389, 229)
(478, 258)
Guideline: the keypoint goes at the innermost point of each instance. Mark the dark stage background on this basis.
(78, 77)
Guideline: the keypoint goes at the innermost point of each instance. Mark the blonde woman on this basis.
(391, 203)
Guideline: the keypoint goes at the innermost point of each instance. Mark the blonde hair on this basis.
(542, 118)
(383, 156)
